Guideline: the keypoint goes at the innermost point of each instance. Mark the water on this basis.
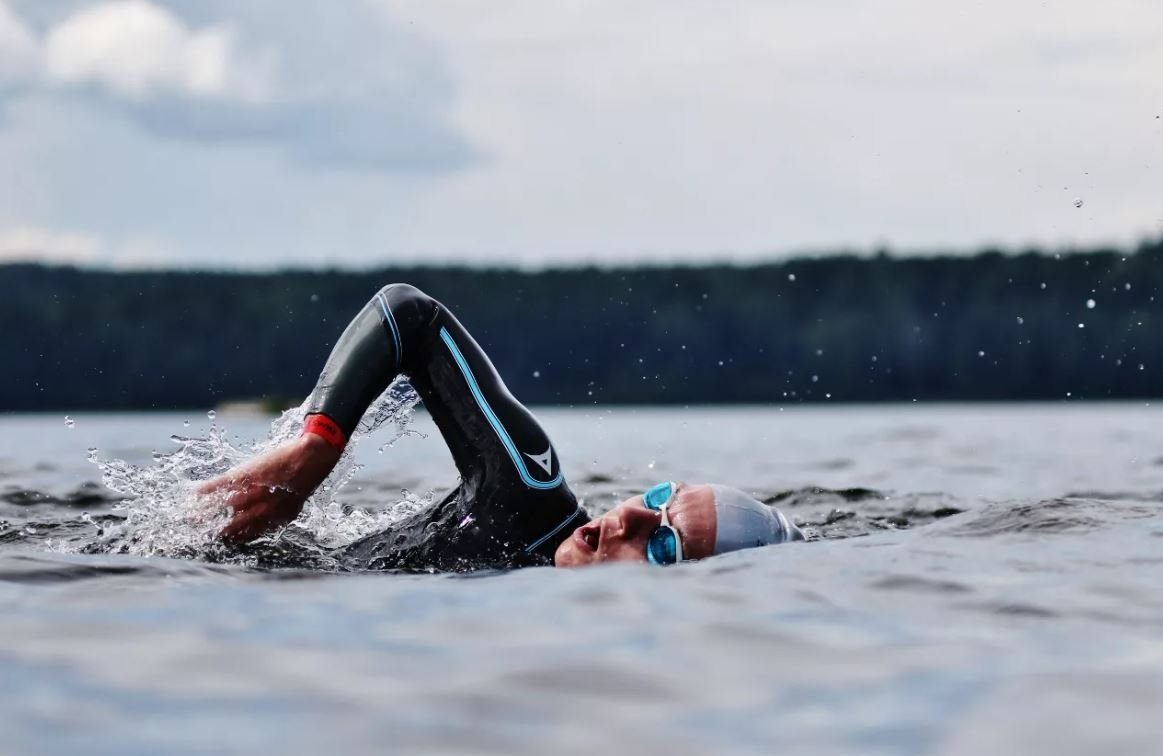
(984, 579)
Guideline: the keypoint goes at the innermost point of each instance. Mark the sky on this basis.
(264, 133)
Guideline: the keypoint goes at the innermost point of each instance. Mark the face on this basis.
(620, 535)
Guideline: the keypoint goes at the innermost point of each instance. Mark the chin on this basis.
(567, 556)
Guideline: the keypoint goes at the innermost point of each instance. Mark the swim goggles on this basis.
(664, 546)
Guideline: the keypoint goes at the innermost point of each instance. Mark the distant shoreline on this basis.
(1076, 324)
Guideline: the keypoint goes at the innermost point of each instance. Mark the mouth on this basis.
(587, 538)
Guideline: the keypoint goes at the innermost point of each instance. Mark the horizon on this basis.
(505, 266)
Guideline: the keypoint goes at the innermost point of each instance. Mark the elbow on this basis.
(409, 304)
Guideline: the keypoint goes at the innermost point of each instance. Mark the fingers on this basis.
(244, 527)
(209, 486)
(253, 519)
(251, 523)
(229, 479)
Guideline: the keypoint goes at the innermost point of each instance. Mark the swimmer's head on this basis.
(707, 520)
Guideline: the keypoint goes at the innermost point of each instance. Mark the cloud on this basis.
(18, 48)
(614, 131)
(339, 87)
(135, 50)
(45, 245)
(19, 244)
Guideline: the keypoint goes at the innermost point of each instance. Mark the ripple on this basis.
(1048, 516)
(851, 512)
(1017, 609)
(603, 681)
(919, 584)
(87, 494)
(812, 494)
(41, 570)
(1117, 495)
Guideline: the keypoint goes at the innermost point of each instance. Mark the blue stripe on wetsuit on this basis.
(392, 324)
(551, 533)
(491, 416)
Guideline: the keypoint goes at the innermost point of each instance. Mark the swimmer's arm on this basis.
(363, 363)
(269, 491)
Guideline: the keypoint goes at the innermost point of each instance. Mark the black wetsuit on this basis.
(512, 507)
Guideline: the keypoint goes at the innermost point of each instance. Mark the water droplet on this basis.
(1090, 303)
(1082, 325)
(211, 415)
(1043, 286)
(92, 454)
(314, 297)
(815, 379)
(70, 423)
(650, 466)
(537, 373)
(1021, 320)
(1127, 287)
(980, 353)
(1142, 366)
(791, 276)
(1078, 201)
(185, 423)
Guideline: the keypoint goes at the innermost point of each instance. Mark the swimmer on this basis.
(513, 507)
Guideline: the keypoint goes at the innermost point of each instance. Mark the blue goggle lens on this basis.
(657, 496)
(662, 549)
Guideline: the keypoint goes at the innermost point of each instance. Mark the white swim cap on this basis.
(742, 522)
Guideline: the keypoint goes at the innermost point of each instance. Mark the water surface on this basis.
(985, 579)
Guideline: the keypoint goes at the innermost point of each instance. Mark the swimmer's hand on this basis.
(268, 492)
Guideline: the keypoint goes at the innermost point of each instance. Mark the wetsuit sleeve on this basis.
(362, 364)
(509, 469)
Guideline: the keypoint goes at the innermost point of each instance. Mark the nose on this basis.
(636, 521)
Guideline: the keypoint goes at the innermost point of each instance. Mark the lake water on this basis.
(984, 579)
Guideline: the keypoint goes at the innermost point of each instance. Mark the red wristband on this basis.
(327, 429)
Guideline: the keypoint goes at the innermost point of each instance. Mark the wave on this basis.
(88, 495)
(53, 569)
(850, 512)
(1053, 516)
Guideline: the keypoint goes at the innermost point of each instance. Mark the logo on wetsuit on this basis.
(544, 461)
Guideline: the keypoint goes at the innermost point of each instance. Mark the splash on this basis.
(164, 515)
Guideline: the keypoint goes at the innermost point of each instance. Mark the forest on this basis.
(996, 325)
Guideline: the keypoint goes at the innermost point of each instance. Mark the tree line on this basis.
(995, 325)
